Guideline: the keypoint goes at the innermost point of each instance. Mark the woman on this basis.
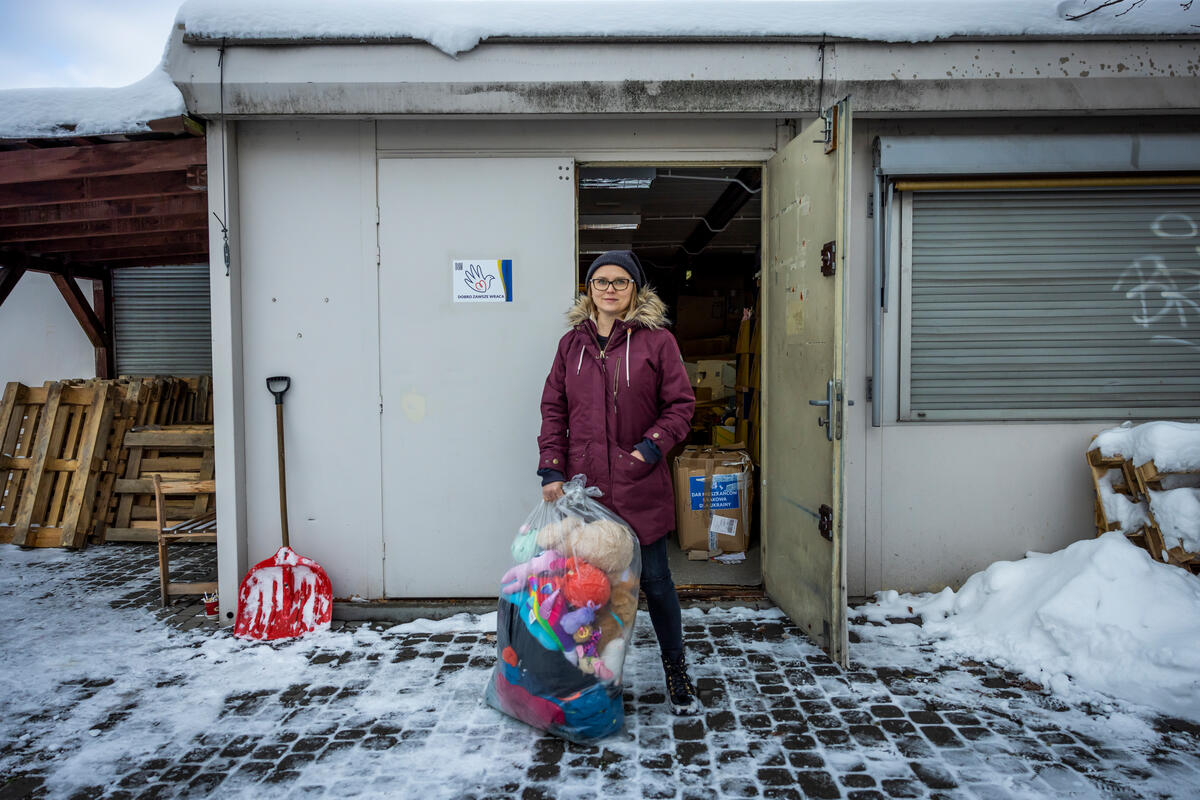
(616, 400)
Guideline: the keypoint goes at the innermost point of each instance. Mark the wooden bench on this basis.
(201, 528)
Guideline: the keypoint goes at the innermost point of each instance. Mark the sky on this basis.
(81, 42)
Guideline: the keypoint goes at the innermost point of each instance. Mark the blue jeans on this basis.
(661, 598)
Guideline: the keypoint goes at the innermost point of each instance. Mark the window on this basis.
(1050, 304)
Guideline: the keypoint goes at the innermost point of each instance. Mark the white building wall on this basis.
(42, 340)
(309, 311)
(957, 497)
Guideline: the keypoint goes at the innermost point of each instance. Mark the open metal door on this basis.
(805, 232)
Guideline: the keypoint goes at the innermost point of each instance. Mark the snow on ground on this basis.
(98, 692)
(454, 26)
(1098, 618)
(30, 113)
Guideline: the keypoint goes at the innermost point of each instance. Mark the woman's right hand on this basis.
(552, 491)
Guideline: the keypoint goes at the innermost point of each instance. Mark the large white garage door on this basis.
(464, 352)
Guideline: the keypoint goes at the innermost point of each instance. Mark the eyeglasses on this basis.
(602, 284)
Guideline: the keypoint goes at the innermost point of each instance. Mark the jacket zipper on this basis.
(616, 383)
(604, 367)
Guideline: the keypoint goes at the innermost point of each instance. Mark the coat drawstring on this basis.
(628, 339)
(579, 366)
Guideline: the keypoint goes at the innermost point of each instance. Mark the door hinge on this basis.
(831, 121)
(870, 388)
(825, 521)
(870, 205)
(829, 259)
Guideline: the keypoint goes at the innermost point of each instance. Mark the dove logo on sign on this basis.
(483, 281)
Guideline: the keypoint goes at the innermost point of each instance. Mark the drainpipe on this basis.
(879, 296)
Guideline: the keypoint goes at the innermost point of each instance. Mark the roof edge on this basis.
(201, 40)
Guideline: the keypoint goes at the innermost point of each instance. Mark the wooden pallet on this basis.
(53, 444)
(173, 452)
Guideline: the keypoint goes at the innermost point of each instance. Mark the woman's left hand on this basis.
(638, 455)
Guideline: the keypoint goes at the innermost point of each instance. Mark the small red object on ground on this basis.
(284, 596)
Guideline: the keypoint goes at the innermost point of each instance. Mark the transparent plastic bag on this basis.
(565, 617)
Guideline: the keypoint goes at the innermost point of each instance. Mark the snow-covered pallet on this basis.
(1157, 508)
(1173, 499)
(1117, 506)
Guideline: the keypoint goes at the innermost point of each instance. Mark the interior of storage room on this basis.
(697, 232)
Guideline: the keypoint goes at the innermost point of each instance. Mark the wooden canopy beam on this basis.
(167, 205)
(176, 259)
(163, 252)
(51, 266)
(8, 281)
(102, 298)
(112, 187)
(93, 161)
(99, 244)
(106, 227)
(81, 309)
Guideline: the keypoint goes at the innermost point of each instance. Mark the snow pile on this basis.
(33, 113)
(1097, 616)
(1173, 446)
(455, 26)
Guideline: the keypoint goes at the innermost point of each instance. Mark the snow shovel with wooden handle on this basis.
(287, 595)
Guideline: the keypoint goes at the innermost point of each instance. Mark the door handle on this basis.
(824, 422)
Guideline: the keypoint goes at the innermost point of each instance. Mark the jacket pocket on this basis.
(633, 469)
(577, 461)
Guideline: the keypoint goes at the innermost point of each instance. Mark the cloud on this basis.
(82, 42)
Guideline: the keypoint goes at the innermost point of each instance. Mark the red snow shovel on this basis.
(287, 595)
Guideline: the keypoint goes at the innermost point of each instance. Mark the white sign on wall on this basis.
(484, 280)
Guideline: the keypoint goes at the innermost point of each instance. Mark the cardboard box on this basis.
(725, 436)
(714, 495)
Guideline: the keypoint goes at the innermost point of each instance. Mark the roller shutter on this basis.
(161, 322)
(1081, 303)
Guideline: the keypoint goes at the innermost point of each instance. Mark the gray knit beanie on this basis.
(625, 259)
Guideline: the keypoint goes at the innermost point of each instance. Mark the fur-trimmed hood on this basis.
(651, 312)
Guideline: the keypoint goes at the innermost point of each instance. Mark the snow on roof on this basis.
(455, 26)
(47, 113)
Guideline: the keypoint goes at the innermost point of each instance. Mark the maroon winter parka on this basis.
(598, 404)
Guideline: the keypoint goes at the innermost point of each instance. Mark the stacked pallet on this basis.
(176, 453)
(62, 448)
(1143, 502)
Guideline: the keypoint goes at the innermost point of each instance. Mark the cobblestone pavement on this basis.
(175, 707)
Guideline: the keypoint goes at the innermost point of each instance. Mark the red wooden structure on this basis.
(80, 207)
